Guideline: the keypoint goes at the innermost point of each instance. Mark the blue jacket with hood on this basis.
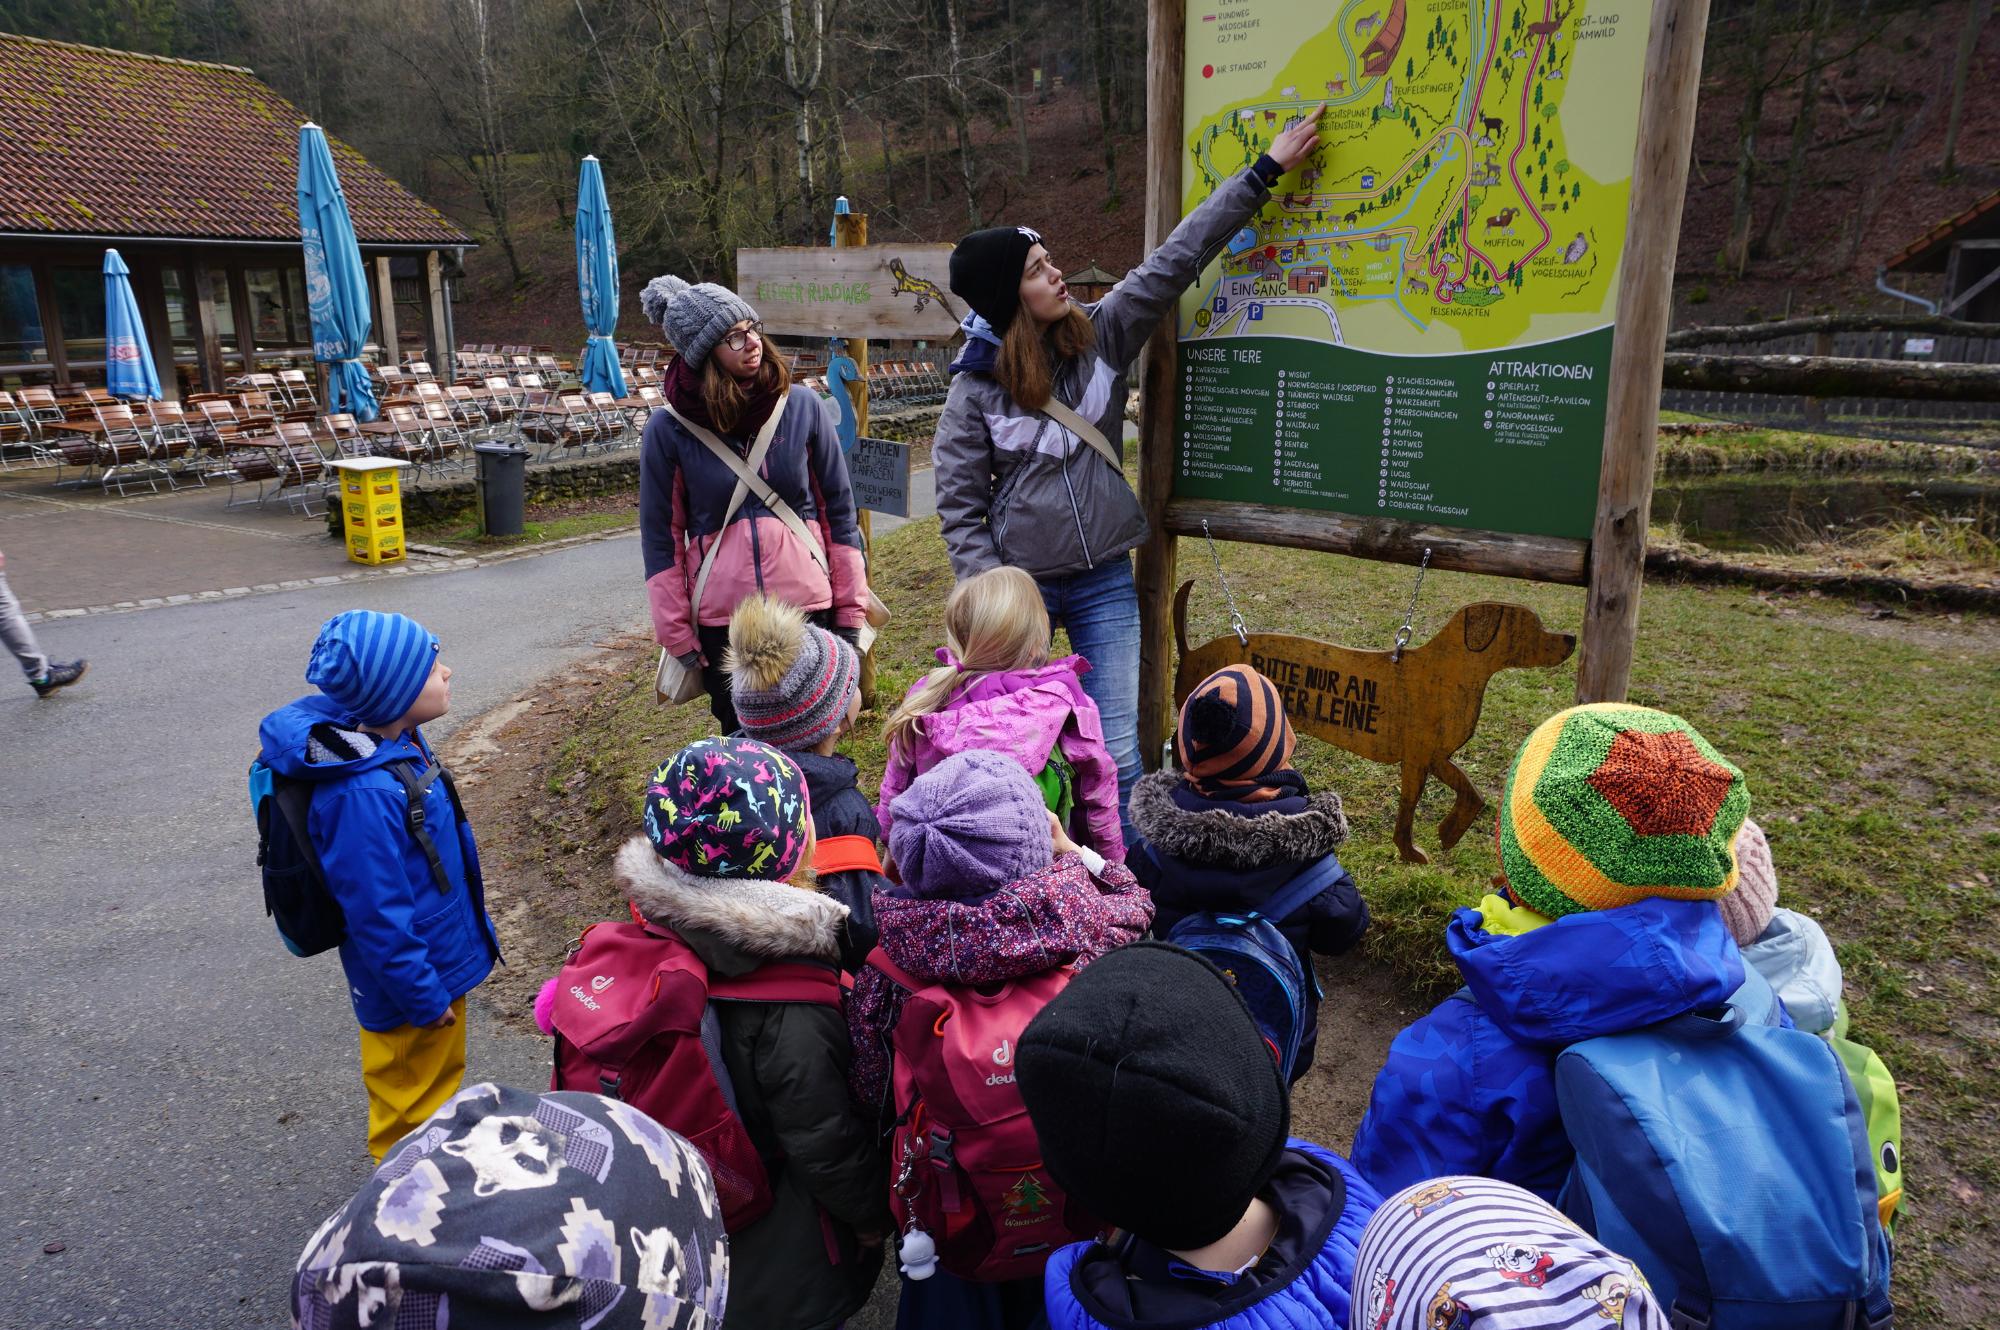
(1470, 1088)
(1304, 1278)
(410, 951)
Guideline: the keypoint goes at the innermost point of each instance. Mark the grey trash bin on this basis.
(503, 488)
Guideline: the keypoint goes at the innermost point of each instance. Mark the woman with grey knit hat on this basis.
(727, 384)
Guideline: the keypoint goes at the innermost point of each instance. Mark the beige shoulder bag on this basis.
(1084, 430)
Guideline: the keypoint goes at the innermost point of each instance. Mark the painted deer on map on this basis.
(1551, 26)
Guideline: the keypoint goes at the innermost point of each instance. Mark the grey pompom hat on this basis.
(694, 318)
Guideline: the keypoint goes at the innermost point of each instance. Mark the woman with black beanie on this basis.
(1016, 482)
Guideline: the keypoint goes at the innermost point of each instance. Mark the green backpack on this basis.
(1057, 780)
(1876, 1089)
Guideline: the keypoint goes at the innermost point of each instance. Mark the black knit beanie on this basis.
(1158, 1104)
(986, 269)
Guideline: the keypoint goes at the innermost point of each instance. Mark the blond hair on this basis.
(1025, 368)
(992, 622)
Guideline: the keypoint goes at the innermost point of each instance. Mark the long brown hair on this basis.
(995, 620)
(1028, 354)
(727, 400)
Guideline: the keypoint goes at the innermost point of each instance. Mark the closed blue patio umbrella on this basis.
(597, 282)
(336, 283)
(128, 360)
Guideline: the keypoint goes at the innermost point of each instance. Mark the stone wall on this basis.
(458, 496)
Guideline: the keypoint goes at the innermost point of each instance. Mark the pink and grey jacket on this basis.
(684, 491)
(1059, 915)
(1025, 715)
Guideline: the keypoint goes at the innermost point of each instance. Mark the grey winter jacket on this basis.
(1013, 486)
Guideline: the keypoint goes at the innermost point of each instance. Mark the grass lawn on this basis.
(1872, 750)
(464, 534)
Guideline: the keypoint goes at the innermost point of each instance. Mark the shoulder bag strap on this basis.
(1084, 430)
(747, 473)
(744, 479)
(1302, 889)
(415, 787)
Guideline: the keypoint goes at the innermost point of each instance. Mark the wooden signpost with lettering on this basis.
(852, 291)
(1410, 709)
(1421, 708)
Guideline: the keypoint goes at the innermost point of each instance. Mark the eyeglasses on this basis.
(738, 338)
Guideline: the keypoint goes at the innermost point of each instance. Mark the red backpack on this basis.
(634, 1020)
(967, 1165)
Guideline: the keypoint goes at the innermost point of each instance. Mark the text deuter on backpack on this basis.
(965, 1166)
(634, 1020)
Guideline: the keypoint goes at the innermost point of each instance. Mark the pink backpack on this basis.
(966, 1165)
(634, 1020)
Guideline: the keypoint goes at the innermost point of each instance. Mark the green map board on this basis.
(1418, 324)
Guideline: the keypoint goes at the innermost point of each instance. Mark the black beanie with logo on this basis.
(986, 269)
(1157, 1101)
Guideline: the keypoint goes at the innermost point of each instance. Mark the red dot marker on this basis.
(1208, 71)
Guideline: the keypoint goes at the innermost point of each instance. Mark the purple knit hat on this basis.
(969, 826)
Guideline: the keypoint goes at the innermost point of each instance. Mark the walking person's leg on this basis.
(1100, 611)
(20, 638)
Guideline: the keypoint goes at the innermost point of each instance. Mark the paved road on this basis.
(180, 1098)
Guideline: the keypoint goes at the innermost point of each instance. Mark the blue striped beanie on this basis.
(371, 663)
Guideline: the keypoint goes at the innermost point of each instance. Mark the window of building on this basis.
(21, 339)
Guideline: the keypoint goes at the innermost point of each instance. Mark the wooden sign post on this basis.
(1440, 288)
(852, 291)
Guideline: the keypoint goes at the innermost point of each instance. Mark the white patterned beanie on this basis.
(509, 1210)
(693, 316)
(1459, 1253)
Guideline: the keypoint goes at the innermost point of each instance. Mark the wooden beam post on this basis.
(443, 357)
(851, 228)
(246, 319)
(391, 353)
(1155, 567)
(1645, 294)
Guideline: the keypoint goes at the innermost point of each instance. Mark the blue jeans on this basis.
(1100, 611)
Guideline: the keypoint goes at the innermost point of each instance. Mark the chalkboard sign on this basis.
(879, 471)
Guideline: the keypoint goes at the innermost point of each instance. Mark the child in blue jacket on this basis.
(1617, 835)
(1160, 1109)
(413, 950)
(1237, 825)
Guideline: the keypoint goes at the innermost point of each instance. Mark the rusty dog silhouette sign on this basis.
(1413, 713)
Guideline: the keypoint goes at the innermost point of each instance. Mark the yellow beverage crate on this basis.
(371, 493)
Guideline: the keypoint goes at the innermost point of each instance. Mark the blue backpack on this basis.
(1247, 946)
(1729, 1158)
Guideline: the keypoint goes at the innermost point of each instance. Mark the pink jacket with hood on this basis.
(1025, 714)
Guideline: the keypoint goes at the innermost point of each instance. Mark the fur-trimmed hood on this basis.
(1218, 836)
(767, 920)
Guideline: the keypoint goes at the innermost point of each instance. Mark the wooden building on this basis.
(1966, 249)
(190, 171)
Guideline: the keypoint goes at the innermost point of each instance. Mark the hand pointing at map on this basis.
(1296, 144)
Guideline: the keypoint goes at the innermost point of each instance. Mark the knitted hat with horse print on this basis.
(986, 269)
(1610, 803)
(694, 318)
(729, 807)
(515, 1209)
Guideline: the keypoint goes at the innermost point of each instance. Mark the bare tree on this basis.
(1961, 71)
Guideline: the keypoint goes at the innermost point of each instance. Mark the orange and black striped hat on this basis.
(1234, 738)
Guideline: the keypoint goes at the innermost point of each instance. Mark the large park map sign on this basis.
(1418, 325)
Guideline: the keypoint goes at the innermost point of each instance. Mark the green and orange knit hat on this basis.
(1611, 803)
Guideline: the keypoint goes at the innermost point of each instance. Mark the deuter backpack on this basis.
(1727, 1156)
(296, 896)
(966, 1167)
(635, 1021)
(1247, 946)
